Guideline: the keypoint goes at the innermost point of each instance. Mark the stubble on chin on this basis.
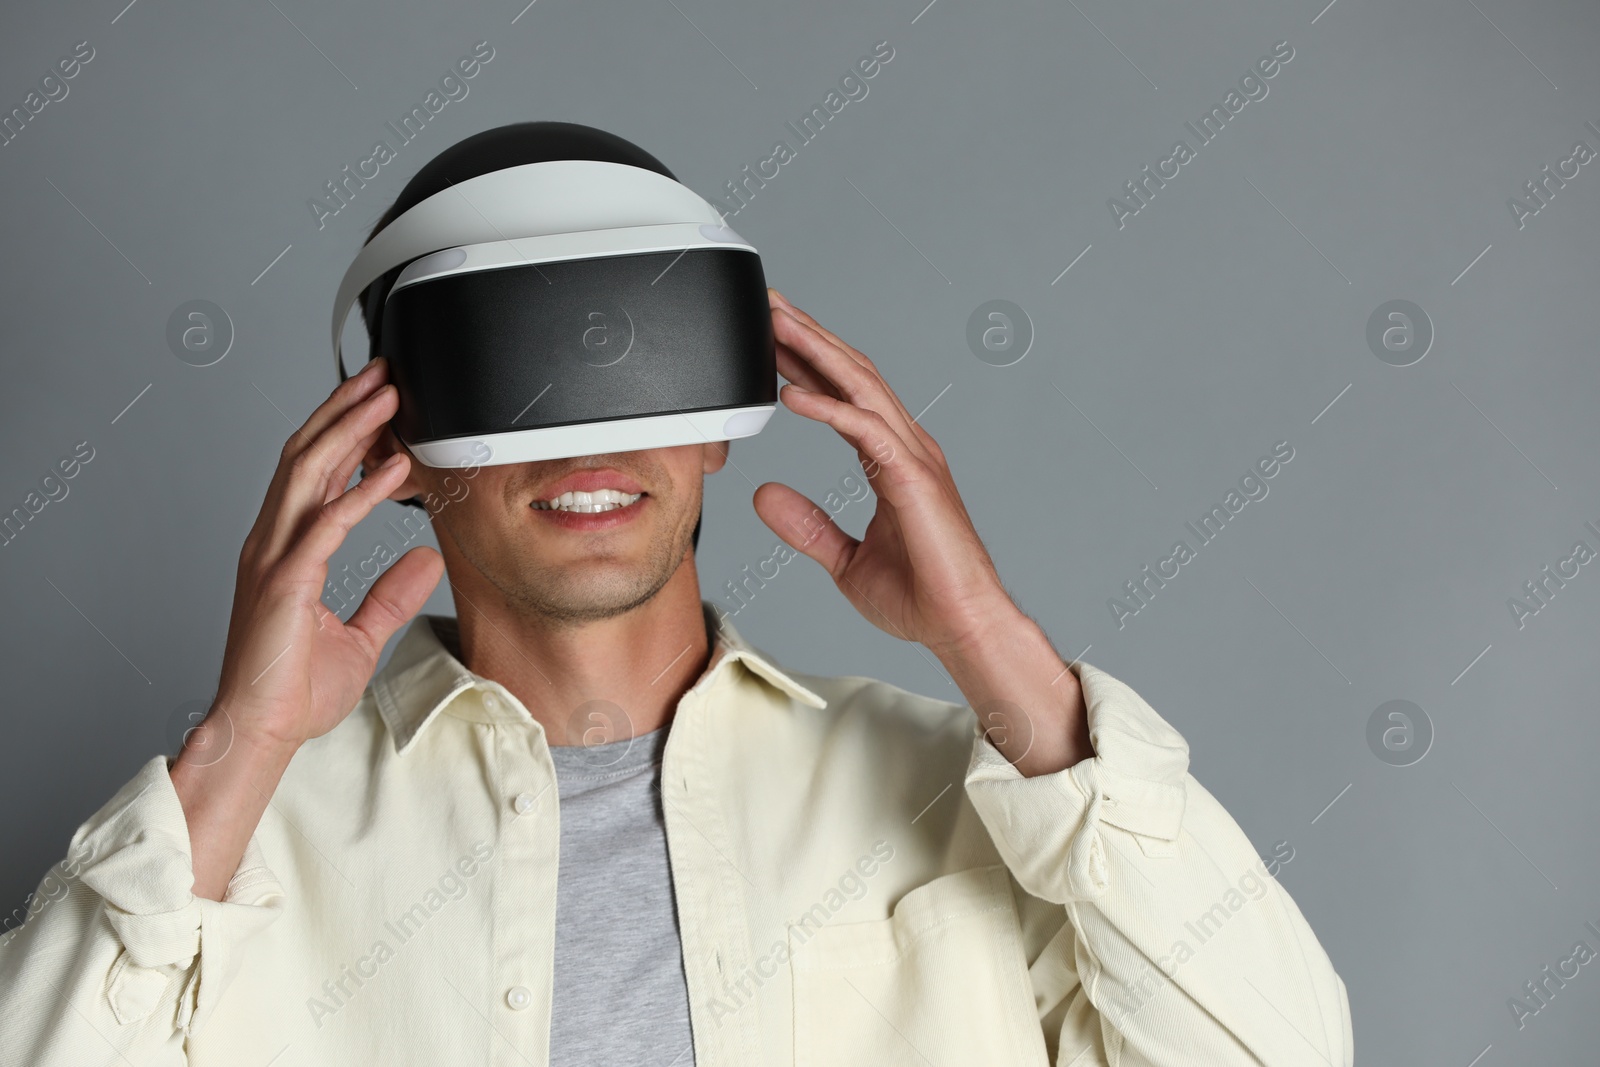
(573, 594)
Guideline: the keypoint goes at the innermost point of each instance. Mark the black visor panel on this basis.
(583, 340)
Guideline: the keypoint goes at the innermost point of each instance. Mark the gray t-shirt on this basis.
(620, 995)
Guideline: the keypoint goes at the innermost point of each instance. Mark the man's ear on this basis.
(385, 445)
(713, 453)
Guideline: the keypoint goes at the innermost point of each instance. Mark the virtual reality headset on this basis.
(566, 308)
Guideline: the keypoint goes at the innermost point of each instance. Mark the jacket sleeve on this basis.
(117, 960)
(1186, 949)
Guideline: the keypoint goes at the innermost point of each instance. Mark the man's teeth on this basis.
(588, 503)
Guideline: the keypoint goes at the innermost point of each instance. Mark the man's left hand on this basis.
(920, 571)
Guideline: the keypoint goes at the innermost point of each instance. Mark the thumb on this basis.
(397, 595)
(804, 526)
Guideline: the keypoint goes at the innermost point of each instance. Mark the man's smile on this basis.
(591, 499)
(599, 500)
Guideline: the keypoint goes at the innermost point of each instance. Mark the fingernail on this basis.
(782, 299)
(390, 462)
(371, 368)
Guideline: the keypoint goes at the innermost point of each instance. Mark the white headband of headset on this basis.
(531, 200)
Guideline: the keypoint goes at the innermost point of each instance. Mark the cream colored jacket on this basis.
(861, 879)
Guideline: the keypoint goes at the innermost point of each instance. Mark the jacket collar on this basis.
(424, 676)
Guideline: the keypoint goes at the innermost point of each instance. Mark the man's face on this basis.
(525, 529)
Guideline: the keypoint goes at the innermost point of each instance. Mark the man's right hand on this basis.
(291, 669)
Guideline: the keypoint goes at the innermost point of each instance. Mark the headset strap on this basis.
(530, 200)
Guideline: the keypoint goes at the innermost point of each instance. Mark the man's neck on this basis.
(573, 677)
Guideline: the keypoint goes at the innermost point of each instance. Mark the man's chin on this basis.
(588, 603)
(602, 584)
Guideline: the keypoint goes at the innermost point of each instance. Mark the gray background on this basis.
(1225, 317)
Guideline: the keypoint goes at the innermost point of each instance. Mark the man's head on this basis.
(491, 519)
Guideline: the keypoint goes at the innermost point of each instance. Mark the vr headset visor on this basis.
(567, 308)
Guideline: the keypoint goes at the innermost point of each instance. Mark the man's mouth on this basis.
(589, 503)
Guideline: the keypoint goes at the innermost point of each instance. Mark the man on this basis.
(584, 822)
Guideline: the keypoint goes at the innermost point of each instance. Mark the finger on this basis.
(885, 459)
(801, 373)
(836, 361)
(333, 521)
(920, 432)
(855, 354)
(805, 527)
(345, 395)
(856, 383)
(311, 471)
(340, 480)
(396, 596)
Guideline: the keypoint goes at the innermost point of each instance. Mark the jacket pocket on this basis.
(942, 982)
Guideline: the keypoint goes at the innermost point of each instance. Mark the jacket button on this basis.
(523, 803)
(518, 997)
